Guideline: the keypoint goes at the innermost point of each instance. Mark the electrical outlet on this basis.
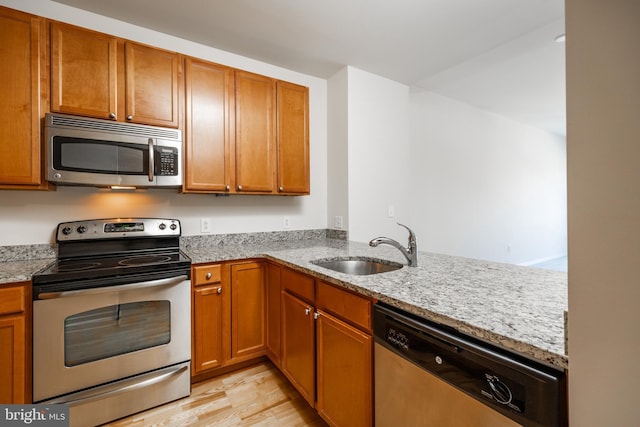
(337, 222)
(205, 225)
(286, 222)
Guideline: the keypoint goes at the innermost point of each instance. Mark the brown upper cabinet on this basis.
(23, 54)
(245, 133)
(98, 75)
(255, 97)
(208, 131)
(293, 138)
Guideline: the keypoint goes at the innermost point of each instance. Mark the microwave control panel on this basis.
(167, 161)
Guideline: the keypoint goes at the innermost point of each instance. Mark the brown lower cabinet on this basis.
(327, 348)
(15, 339)
(319, 335)
(228, 302)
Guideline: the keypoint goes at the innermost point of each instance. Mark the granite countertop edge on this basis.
(536, 335)
(478, 298)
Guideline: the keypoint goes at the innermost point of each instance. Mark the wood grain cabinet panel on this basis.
(327, 348)
(152, 85)
(292, 138)
(247, 310)
(84, 72)
(349, 306)
(273, 314)
(344, 373)
(298, 345)
(102, 76)
(255, 137)
(208, 328)
(210, 309)
(15, 347)
(209, 117)
(228, 315)
(24, 76)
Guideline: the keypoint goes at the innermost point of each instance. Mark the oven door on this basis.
(89, 337)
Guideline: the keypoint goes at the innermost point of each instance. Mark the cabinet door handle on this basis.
(239, 187)
(112, 115)
(227, 188)
(281, 189)
(316, 315)
(307, 311)
(208, 275)
(129, 117)
(219, 290)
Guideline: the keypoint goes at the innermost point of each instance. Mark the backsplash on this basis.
(44, 251)
(27, 252)
(207, 240)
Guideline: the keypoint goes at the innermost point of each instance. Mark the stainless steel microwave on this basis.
(84, 151)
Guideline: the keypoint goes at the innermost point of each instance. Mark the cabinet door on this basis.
(293, 138)
(273, 318)
(84, 72)
(298, 345)
(22, 51)
(208, 327)
(255, 155)
(12, 359)
(15, 348)
(209, 93)
(247, 310)
(344, 373)
(152, 85)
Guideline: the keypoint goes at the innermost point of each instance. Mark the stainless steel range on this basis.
(111, 319)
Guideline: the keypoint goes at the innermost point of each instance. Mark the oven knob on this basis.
(81, 229)
(162, 226)
(66, 231)
(173, 226)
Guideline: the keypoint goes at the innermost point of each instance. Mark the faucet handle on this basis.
(412, 236)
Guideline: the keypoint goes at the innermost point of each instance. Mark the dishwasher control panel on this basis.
(527, 392)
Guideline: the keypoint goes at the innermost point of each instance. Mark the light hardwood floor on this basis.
(258, 395)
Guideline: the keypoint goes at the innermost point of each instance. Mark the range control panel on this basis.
(117, 228)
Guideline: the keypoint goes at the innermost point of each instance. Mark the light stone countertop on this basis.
(517, 308)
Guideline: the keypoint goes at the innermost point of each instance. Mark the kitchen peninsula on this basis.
(514, 307)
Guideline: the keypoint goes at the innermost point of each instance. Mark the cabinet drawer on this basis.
(12, 300)
(298, 284)
(344, 304)
(207, 274)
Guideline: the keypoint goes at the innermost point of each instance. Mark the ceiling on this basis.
(498, 55)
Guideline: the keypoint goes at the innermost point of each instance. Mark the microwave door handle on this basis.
(152, 163)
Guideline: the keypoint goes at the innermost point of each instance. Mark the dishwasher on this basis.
(430, 375)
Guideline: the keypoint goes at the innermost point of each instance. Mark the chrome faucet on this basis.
(410, 253)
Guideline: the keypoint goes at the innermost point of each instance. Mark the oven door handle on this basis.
(108, 289)
(120, 387)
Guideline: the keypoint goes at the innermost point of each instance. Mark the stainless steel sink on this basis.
(358, 266)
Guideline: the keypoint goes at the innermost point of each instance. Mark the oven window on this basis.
(118, 329)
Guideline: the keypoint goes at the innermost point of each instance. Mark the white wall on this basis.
(378, 156)
(603, 138)
(337, 150)
(485, 186)
(30, 217)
